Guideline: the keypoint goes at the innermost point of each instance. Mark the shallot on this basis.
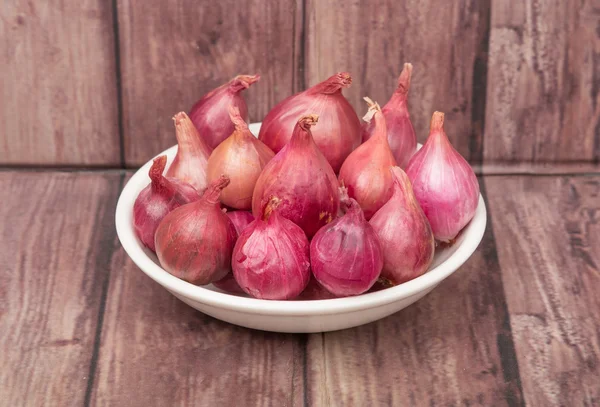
(195, 241)
(271, 257)
(192, 155)
(345, 255)
(300, 176)
(444, 183)
(158, 199)
(339, 131)
(241, 157)
(404, 233)
(366, 171)
(400, 132)
(210, 114)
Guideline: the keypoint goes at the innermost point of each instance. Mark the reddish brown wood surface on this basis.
(57, 239)
(58, 98)
(516, 325)
(526, 73)
(525, 168)
(174, 52)
(445, 41)
(544, 76)
(549, 229)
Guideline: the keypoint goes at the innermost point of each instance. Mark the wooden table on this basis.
(518, 324)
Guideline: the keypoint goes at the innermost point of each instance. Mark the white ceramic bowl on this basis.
(291, 316)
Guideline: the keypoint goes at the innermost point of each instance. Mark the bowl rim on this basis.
(473, 234)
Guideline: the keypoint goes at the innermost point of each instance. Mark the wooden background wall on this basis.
(95, 83)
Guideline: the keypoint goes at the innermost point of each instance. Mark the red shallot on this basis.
(210, 114)
(271, 257)
(195, 241)
(366, 171)
(345, 255)
(158, 199)
(404, 233)
(339, 131)
(300, 176)
(444, 183)
(241, 157)
(400, 132)
(192, 155)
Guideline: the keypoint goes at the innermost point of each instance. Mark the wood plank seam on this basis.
(55, 169)
(299, 65)
(107, 225)
(118, 82)
(479, 87)
(302, 55)
(504, 338)
(304, 347)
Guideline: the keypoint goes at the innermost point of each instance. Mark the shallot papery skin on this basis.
(339, 130)
(366, 171)
(158, 199)
(444, 183)
(345, 255)
(210, 114)
(300, 176)
(404, 233)
(271, 259)
(195, 241)
(400, 132)
(241, 157)
(192, 155)
(240, 219)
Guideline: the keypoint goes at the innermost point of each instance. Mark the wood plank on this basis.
(543, 100)
(453, 347)
(58, 103)
(56, 248)
(550, 257)
(529, 168)
(155, 350)
(446, 44)
(174, 52)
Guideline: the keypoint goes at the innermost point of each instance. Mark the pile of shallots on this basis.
(318, 206)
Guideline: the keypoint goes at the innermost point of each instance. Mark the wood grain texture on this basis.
(445, 41)
(550, 257)
(157, 351)
(451, 348)
(174, 52)
(56, 242)
(543, 103)
(58, 101)
(529, 168)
